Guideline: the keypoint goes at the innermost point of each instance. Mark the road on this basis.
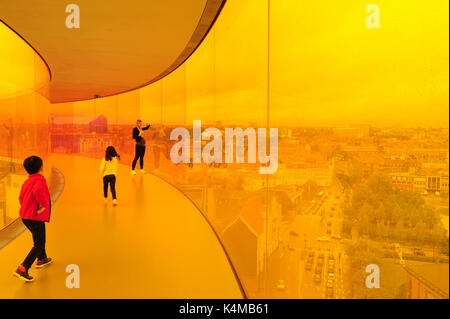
(288, 276)
(324, 218)
(284, 265)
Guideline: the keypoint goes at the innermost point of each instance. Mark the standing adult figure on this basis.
(138, 136)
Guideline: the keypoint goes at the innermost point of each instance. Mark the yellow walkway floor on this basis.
(154, 244)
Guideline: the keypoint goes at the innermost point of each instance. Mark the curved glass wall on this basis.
(361, 114)
(24, 110)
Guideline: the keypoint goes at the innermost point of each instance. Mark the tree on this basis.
(399, 232)
(444, 249)
(396, 215)
(379, 213)
(382, 231)
(430, 217)
(356, 174)
(402, 212)
(380, 184)
(419, 232)
(363, 219)
(361, 194)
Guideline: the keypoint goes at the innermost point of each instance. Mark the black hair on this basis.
(32, 164)
(110, 153)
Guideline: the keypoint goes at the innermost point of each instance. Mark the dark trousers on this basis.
(37, 229)
(140, 152)
(111, 180)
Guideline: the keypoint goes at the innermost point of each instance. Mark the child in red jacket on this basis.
(35, 207)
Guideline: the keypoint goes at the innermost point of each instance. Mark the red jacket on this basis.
(33, 196)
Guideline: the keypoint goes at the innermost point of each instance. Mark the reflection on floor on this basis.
(154, 244)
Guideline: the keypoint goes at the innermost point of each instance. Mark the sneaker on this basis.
(23, 275)
(43, 262)
(142, 171)
(115, 202)
(133, 172)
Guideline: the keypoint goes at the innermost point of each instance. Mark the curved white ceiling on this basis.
(120, 45)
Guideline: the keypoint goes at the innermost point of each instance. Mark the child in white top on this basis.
(108, 169)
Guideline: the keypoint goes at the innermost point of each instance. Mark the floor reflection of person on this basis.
(159, 145)
(9, 127)
(138, 136)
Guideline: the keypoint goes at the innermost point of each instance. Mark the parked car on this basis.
(338, 237)
(419, 252)
(317, 278)
(318, 269)
(281, 285)
(330, 283)
(323, 239)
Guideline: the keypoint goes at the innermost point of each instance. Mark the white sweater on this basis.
(109, 167)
